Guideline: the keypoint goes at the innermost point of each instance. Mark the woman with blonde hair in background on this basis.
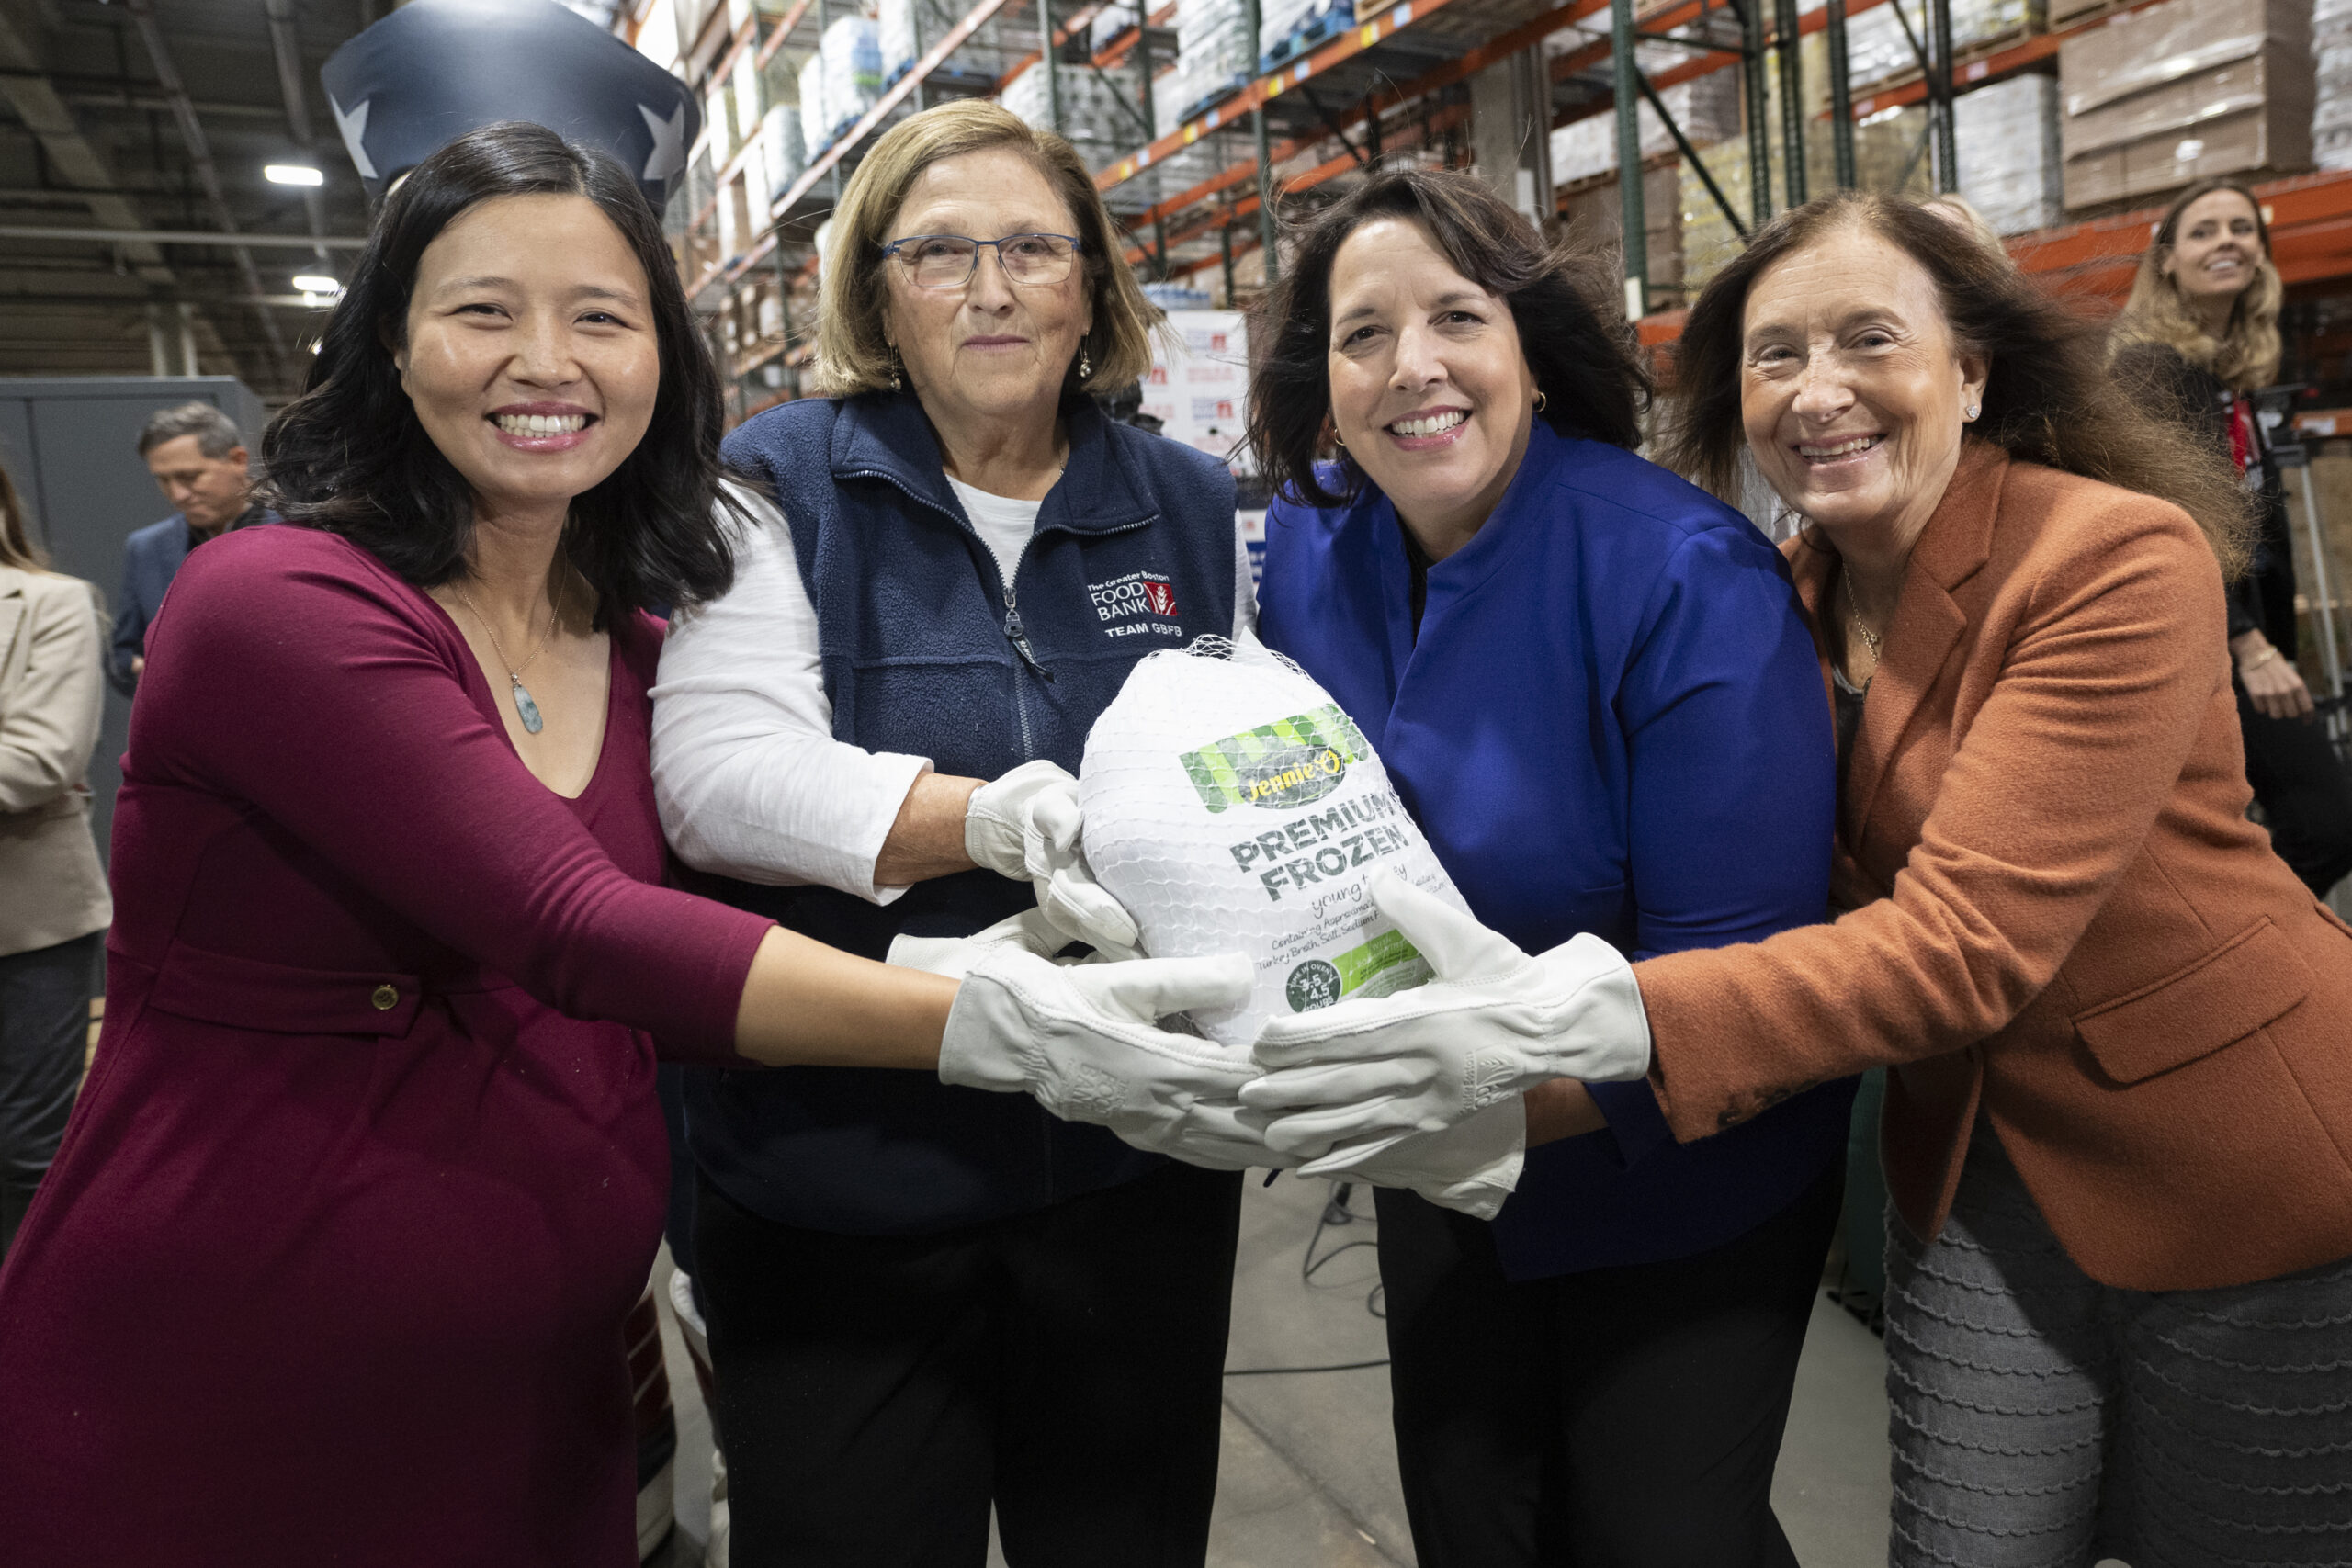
(53, 902)
(2200, 335)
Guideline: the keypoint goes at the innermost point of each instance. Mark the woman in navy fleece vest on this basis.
(924, 1298)
(1592, 686)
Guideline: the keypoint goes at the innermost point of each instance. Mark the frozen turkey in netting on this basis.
(1232, 806)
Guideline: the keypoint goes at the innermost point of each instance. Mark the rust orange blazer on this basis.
(2059, 914)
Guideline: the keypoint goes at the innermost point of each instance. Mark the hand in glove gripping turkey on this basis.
(1492, 1023)
(1083, 1040)
(1027, 826)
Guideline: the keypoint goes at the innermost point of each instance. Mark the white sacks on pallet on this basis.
(1232, 806)
(894, 31)
(1096, 117)
(2332, 110)
(840, 81)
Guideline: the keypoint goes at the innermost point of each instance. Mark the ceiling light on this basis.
(317, 283)
(292, 175)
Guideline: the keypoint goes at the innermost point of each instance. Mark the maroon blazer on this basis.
(2060, 916)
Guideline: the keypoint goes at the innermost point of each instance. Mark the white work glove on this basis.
(1027, 826)
(954, 956)
(1083, 1040)
(1472, 1166)
(1492, 1025)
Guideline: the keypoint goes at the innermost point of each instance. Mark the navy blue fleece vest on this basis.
(925, 651)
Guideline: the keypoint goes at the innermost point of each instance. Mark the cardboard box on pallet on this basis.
(2182, 91)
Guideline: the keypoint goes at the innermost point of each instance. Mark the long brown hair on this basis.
(17, 548)
(2048, 397)
(2246, 353)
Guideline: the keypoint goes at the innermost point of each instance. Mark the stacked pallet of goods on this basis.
(1215, 52)
(1288, 29)
(1098, 116)
(2331, 57)
(840, 81)
(895, 42)
(2184, 91)
(1879, 50)
(2009, 166)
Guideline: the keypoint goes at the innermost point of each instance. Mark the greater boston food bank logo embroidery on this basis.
(1139, 603)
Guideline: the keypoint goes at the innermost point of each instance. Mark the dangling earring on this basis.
(896, 365)
(1539, 400)
(1085, 361)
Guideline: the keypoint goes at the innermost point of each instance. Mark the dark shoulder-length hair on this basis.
(2049, 396)
(349, 456)
(1562, 297)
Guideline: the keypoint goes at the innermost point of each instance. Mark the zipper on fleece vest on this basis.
(1014, 633)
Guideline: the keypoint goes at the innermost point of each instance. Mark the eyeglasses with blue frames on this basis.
(948, 261)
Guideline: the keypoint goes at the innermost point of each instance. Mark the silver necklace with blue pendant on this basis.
(525, 708)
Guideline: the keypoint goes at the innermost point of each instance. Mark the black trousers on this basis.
(44, 1023)
(1618, 1418)
(2305, 793)
(876, 1393)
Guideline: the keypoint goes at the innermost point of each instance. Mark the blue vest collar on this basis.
(887, 435)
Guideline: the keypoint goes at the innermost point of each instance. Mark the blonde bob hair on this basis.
(2246, 354)
(853, 356)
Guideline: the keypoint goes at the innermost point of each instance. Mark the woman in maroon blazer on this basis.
(334, 1262)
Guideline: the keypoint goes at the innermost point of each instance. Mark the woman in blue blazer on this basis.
(1593, 686)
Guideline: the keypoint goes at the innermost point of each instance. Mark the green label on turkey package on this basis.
(1385, 964)
(1285, 763)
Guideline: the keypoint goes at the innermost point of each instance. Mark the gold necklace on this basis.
(1854, 614)
(526, 708)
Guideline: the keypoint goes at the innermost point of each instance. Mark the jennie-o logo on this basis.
(1139, 603)
(1285, 763)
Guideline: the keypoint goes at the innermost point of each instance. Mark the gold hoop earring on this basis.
(1337, 439)
(1539, 400)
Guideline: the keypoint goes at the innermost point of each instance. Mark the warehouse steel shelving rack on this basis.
(1398, 77)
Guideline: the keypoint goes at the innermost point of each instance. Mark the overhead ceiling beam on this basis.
(28, 93)
(236, 241)
(286, 44)
(91, 92)
(199, 154)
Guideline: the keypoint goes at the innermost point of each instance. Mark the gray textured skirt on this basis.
(2040, 1419)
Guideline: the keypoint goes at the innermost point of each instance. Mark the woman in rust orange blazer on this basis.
(2119, 1127)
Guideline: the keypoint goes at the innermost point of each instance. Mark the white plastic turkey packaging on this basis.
(1231, 806)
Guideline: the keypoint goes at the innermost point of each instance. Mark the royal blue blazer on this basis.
(1611, 721)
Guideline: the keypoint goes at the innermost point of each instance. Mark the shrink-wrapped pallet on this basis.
(1232, 806)
(895, 43)
(2007, 136)
(781, 150)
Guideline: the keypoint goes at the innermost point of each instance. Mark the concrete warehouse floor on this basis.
(1309, 1478)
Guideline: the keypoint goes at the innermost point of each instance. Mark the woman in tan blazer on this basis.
(54, 903)
(2119, 1127)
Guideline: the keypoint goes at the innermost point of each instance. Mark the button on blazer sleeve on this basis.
(295, 674)
(2110, 667)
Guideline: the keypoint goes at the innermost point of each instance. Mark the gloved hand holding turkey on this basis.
(1027, 826)
(1365, 1084)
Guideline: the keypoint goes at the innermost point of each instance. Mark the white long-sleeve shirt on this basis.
(748, 777)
